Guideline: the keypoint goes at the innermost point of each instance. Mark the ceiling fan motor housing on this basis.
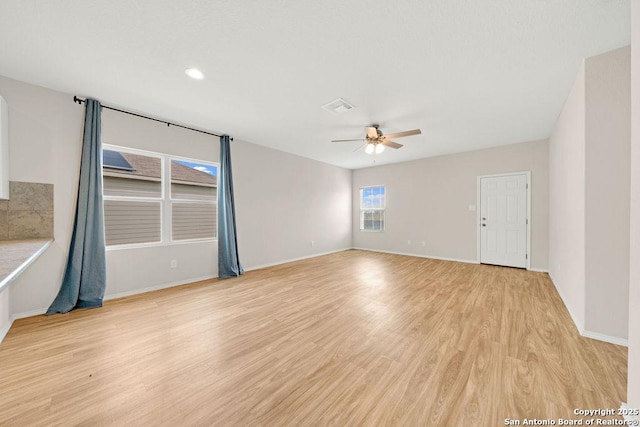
(378, 132)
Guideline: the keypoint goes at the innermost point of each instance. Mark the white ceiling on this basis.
(469, 73)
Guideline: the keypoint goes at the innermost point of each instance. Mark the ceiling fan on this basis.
(376, 140)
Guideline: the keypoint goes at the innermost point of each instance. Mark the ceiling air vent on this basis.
(338, 106)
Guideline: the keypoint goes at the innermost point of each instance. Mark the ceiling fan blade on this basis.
(372, 132)
(391, 144)
(346, 140)
(405, 133)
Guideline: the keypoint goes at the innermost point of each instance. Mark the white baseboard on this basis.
(606, 338)
(273, 264)
(586, 333)
(578, 326)
(29, 313)
(5, 329)
(467, 261)
(157, 287)
(199, 279)
(108, 297)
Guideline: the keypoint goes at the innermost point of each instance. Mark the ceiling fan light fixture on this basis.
(370, 148)
(375, 141)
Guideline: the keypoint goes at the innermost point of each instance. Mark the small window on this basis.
(372, 205)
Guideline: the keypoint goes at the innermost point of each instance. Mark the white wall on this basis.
(282, 201)
(607, 193)
(132, 270)
(566, 202)
(44, 135)
(589, 198)
(633, 383)
(428, 200)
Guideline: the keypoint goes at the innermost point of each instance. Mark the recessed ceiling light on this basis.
(194, 73)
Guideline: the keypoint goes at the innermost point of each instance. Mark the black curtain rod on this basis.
(80, 101)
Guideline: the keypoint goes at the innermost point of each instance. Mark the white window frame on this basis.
(362, 209)
(164, 199)
(160, 199)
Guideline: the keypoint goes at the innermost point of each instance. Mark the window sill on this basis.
(158, 244)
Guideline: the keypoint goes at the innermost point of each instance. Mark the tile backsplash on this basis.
(28, 214)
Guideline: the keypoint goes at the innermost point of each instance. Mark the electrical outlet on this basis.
(174, 263)
(424, 243)
(408, 242)
(313, 243)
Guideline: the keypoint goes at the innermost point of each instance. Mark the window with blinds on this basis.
(128, 222)
(194, 195)
(150, 198)
(132, 187)
(372, 206)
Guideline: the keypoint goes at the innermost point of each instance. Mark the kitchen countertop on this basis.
(16, 255)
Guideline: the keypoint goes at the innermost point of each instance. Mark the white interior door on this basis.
(503, 220)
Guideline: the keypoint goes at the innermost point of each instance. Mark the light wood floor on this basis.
(353, 338)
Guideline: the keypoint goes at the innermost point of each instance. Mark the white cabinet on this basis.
(4, 149)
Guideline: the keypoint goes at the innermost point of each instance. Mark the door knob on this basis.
(484, 219)
(484, 225)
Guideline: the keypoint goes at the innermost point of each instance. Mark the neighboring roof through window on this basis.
(138, 166)
(115, 160)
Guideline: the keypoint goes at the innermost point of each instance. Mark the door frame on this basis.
(479, 210)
